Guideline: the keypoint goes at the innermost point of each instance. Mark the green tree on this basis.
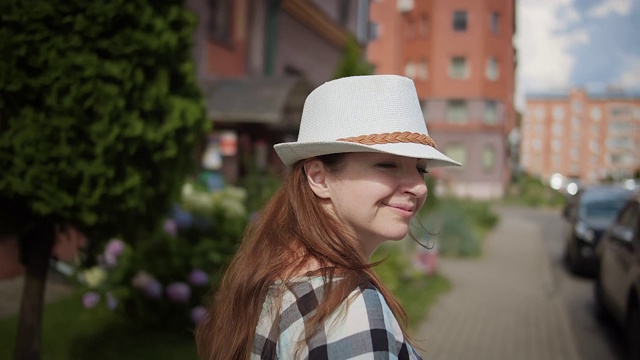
(352, 63)
(100, 117)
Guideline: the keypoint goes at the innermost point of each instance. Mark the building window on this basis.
(424, 25)
(374, 30)
(424, 107)
(410, 29)
(595, 113)
(410, 69)
(491, 112)
(537, 144)
(620, 127)
(622, 143)
(488, 157)
(343, 12)
(492, 71)
(558, 112)
(575, 152)
(495, 22)
(460, 20)
(558, 129)
(423, 70)
(540, 112)
(620, 111)
(576, 105)
(576, 121)
(456, 112)
(458, 68)
(220, 29)
(456, 152)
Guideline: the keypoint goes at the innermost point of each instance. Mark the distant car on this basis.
(617, 285)
(589, 213)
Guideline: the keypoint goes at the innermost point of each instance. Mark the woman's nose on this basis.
(416, 185)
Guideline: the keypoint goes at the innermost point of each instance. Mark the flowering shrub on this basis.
(163, 279)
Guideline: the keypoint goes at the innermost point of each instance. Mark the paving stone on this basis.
(501, 305)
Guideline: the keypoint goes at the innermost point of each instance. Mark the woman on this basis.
(301, 285)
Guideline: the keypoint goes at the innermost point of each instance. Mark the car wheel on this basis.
(600, 310)
(633, 332)
(573, 259)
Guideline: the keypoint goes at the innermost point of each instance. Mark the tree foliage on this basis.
(352, 63)
(99, 111)
(100, 115)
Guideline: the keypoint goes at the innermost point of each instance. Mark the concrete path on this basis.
(501, 305)
(11, 293)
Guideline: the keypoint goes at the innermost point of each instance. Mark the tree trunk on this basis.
(36, 245)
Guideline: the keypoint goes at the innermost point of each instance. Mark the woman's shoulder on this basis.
(367, 307)
(364, 324)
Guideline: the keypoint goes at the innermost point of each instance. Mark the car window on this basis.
(629, 216)
(601, 208)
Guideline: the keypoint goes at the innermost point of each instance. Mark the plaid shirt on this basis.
(363, 327)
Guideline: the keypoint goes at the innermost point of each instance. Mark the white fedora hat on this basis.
(373, 113)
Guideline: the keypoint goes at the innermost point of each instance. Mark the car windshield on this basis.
(601, 208)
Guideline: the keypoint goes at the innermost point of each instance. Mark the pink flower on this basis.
(148, 284)
(112, 301)
(112, 251)
(170, 227)
(153, 290)
(198, 313)
(141, 280)
(178, 292)
(90, 299)
(114, 248)
(198, 277)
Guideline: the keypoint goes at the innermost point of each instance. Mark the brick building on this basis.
(579, 135)
(257, 61)
(460, 54)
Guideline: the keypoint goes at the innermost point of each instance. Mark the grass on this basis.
(72, 332)
(418, 295)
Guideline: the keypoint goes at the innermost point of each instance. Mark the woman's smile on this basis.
(405, 210)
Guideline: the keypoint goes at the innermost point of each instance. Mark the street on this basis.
(594, 340)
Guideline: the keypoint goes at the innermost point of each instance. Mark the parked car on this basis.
(589, 213)
(617, 284)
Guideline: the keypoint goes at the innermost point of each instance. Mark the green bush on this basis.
(412, 287)
(260, 187)
(163, 279)
(532, 191)
(459, 226)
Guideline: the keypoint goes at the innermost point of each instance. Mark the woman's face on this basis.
(376, 195)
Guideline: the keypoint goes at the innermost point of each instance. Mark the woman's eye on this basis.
(387, 165)
(422, 170)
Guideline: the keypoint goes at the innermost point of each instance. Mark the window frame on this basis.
(460, 21)
(451, 116)
(453, 73)
(220, 24)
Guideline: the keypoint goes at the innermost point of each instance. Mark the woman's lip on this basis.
(404, 208)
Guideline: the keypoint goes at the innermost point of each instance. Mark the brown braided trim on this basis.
(390, 138)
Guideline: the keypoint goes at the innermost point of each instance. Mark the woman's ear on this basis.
(317, 178)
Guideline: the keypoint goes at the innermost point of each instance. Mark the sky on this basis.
(562, 44)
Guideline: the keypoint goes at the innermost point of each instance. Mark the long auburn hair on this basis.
(291, 231)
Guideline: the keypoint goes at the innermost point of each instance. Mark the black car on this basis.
(617, 285)
(589, 213)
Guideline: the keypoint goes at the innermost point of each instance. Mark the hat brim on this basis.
(292, 152)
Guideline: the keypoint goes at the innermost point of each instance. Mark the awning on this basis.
(275, 101)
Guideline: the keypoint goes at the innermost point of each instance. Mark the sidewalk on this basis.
(501, 305)
(11, 293)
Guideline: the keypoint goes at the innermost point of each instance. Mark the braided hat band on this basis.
(392, 138)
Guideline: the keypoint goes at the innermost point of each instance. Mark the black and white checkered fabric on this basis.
(363, 327)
